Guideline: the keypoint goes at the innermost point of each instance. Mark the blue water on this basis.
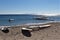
(23, 19)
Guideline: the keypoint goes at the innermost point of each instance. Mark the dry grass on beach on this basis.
(50, 33)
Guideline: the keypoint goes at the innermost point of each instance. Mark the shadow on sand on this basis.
(26, 33)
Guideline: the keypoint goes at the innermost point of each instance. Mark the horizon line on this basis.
(34, 14)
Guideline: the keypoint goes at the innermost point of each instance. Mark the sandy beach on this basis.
(50, 33)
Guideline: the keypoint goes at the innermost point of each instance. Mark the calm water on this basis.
(22, 19)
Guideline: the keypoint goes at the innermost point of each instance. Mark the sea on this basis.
(23, 19)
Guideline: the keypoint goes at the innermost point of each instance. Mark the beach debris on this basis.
(27, 29)
(45, 26)
(32, 28)
(40, 26)
(5, 29)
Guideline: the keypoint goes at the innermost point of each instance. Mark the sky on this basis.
(30, 7)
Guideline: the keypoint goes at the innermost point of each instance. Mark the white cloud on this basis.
(47, 13)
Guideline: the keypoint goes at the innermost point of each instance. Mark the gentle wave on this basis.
(41, 23)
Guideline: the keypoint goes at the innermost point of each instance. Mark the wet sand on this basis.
(50, 33)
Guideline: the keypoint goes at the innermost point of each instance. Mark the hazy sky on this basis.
(30, 6)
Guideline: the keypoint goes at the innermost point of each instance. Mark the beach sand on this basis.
(50, 33)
